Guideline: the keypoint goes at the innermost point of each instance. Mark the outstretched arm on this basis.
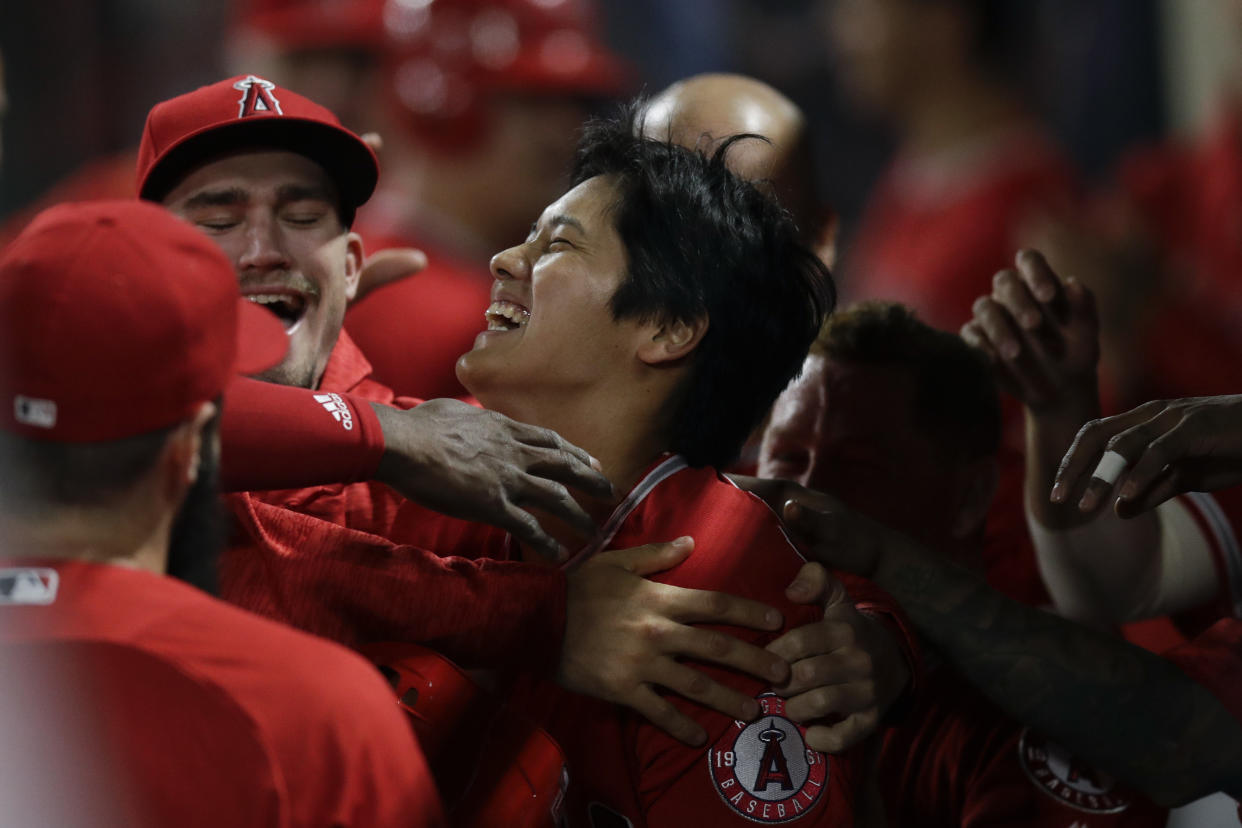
(1041, 334)
(1119, 707)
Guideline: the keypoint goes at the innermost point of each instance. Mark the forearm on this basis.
(280, 437)
(1097, 568)
(1115, 705)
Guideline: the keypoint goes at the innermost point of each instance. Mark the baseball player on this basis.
(202, 714)
(653, 313)
(484, 100)
(901, 422)
(219, 156)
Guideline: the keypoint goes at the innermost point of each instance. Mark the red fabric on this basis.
(414, 330)
(290, 559)
(77, 276)
(266, 429)
(935, 245)
(243, 112)
(205, 715)
(621, 765)
(1214, 660)
(1189, 198)
(955, 762)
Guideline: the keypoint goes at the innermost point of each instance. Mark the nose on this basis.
(263, 249)
(511, 264)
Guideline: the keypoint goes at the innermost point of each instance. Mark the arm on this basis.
(443, 454)
(1042, 336)
(1117, 706)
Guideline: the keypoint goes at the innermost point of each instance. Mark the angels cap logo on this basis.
(764, 770)
(256, 97)
(1066, 778)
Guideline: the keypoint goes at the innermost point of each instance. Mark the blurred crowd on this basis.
(976, 368)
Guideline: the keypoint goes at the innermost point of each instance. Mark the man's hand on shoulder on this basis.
(624, 635)
(477, 465)
(848, 665)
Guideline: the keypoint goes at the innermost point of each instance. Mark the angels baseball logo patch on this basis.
(764, 770)
(1066, 778)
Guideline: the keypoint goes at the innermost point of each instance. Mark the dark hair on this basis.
(42, 473)
(701, 242)
(955, 394)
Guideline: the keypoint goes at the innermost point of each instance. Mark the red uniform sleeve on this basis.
(278, 437)
(356, 588)
(958, 762)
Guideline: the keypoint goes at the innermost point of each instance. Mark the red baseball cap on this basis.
(444, 53)
(246, 113)
(119, 319)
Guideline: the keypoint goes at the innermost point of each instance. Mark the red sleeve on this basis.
(278, 437)
(356, 588)
(958, 762)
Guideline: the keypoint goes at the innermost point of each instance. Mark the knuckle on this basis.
(718, 644)
(699, 685)
(718, 603)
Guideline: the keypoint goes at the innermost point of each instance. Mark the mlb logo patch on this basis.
(28, 586)
(34, 412)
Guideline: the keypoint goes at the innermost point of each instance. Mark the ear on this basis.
(671, 341)
(183, 453)
(980, 487)
(353, 265)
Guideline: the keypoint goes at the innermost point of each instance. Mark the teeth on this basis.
(506, 316)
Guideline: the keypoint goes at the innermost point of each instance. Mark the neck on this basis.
(955, 109)
(94, 535)
(624, 431)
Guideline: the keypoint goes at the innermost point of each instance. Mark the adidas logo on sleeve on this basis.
(338, 408)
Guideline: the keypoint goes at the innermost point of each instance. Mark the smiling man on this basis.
(651, 316)
(275, 180)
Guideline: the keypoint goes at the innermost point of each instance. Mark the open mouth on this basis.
(290, 307)
(503, 315)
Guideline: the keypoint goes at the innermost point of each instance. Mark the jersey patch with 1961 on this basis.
(764, 770)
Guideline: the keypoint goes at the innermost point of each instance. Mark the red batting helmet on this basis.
(445, 56)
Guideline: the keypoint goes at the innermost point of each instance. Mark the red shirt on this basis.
(933, 238)
(289, 559)
(199, 713)
(414, 330)
(956, 761)
(762, 772)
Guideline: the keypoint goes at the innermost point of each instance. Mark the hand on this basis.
(624, 634)
(481, 466)
(848, 664)
(1041, 334)
(1168, 447)
(386, 266)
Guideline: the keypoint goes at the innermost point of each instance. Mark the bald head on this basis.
(703, 110)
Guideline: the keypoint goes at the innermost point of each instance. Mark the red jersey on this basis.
(415, 329)
(203, 714)
(289, 559)
(956, 761)
(622, 768)
(933, 237)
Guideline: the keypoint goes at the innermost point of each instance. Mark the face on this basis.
(550, 327)
(849, 430)
(274, 215)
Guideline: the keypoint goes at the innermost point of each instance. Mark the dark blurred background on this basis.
(81, 74)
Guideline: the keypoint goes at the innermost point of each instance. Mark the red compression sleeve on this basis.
(279, 437)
